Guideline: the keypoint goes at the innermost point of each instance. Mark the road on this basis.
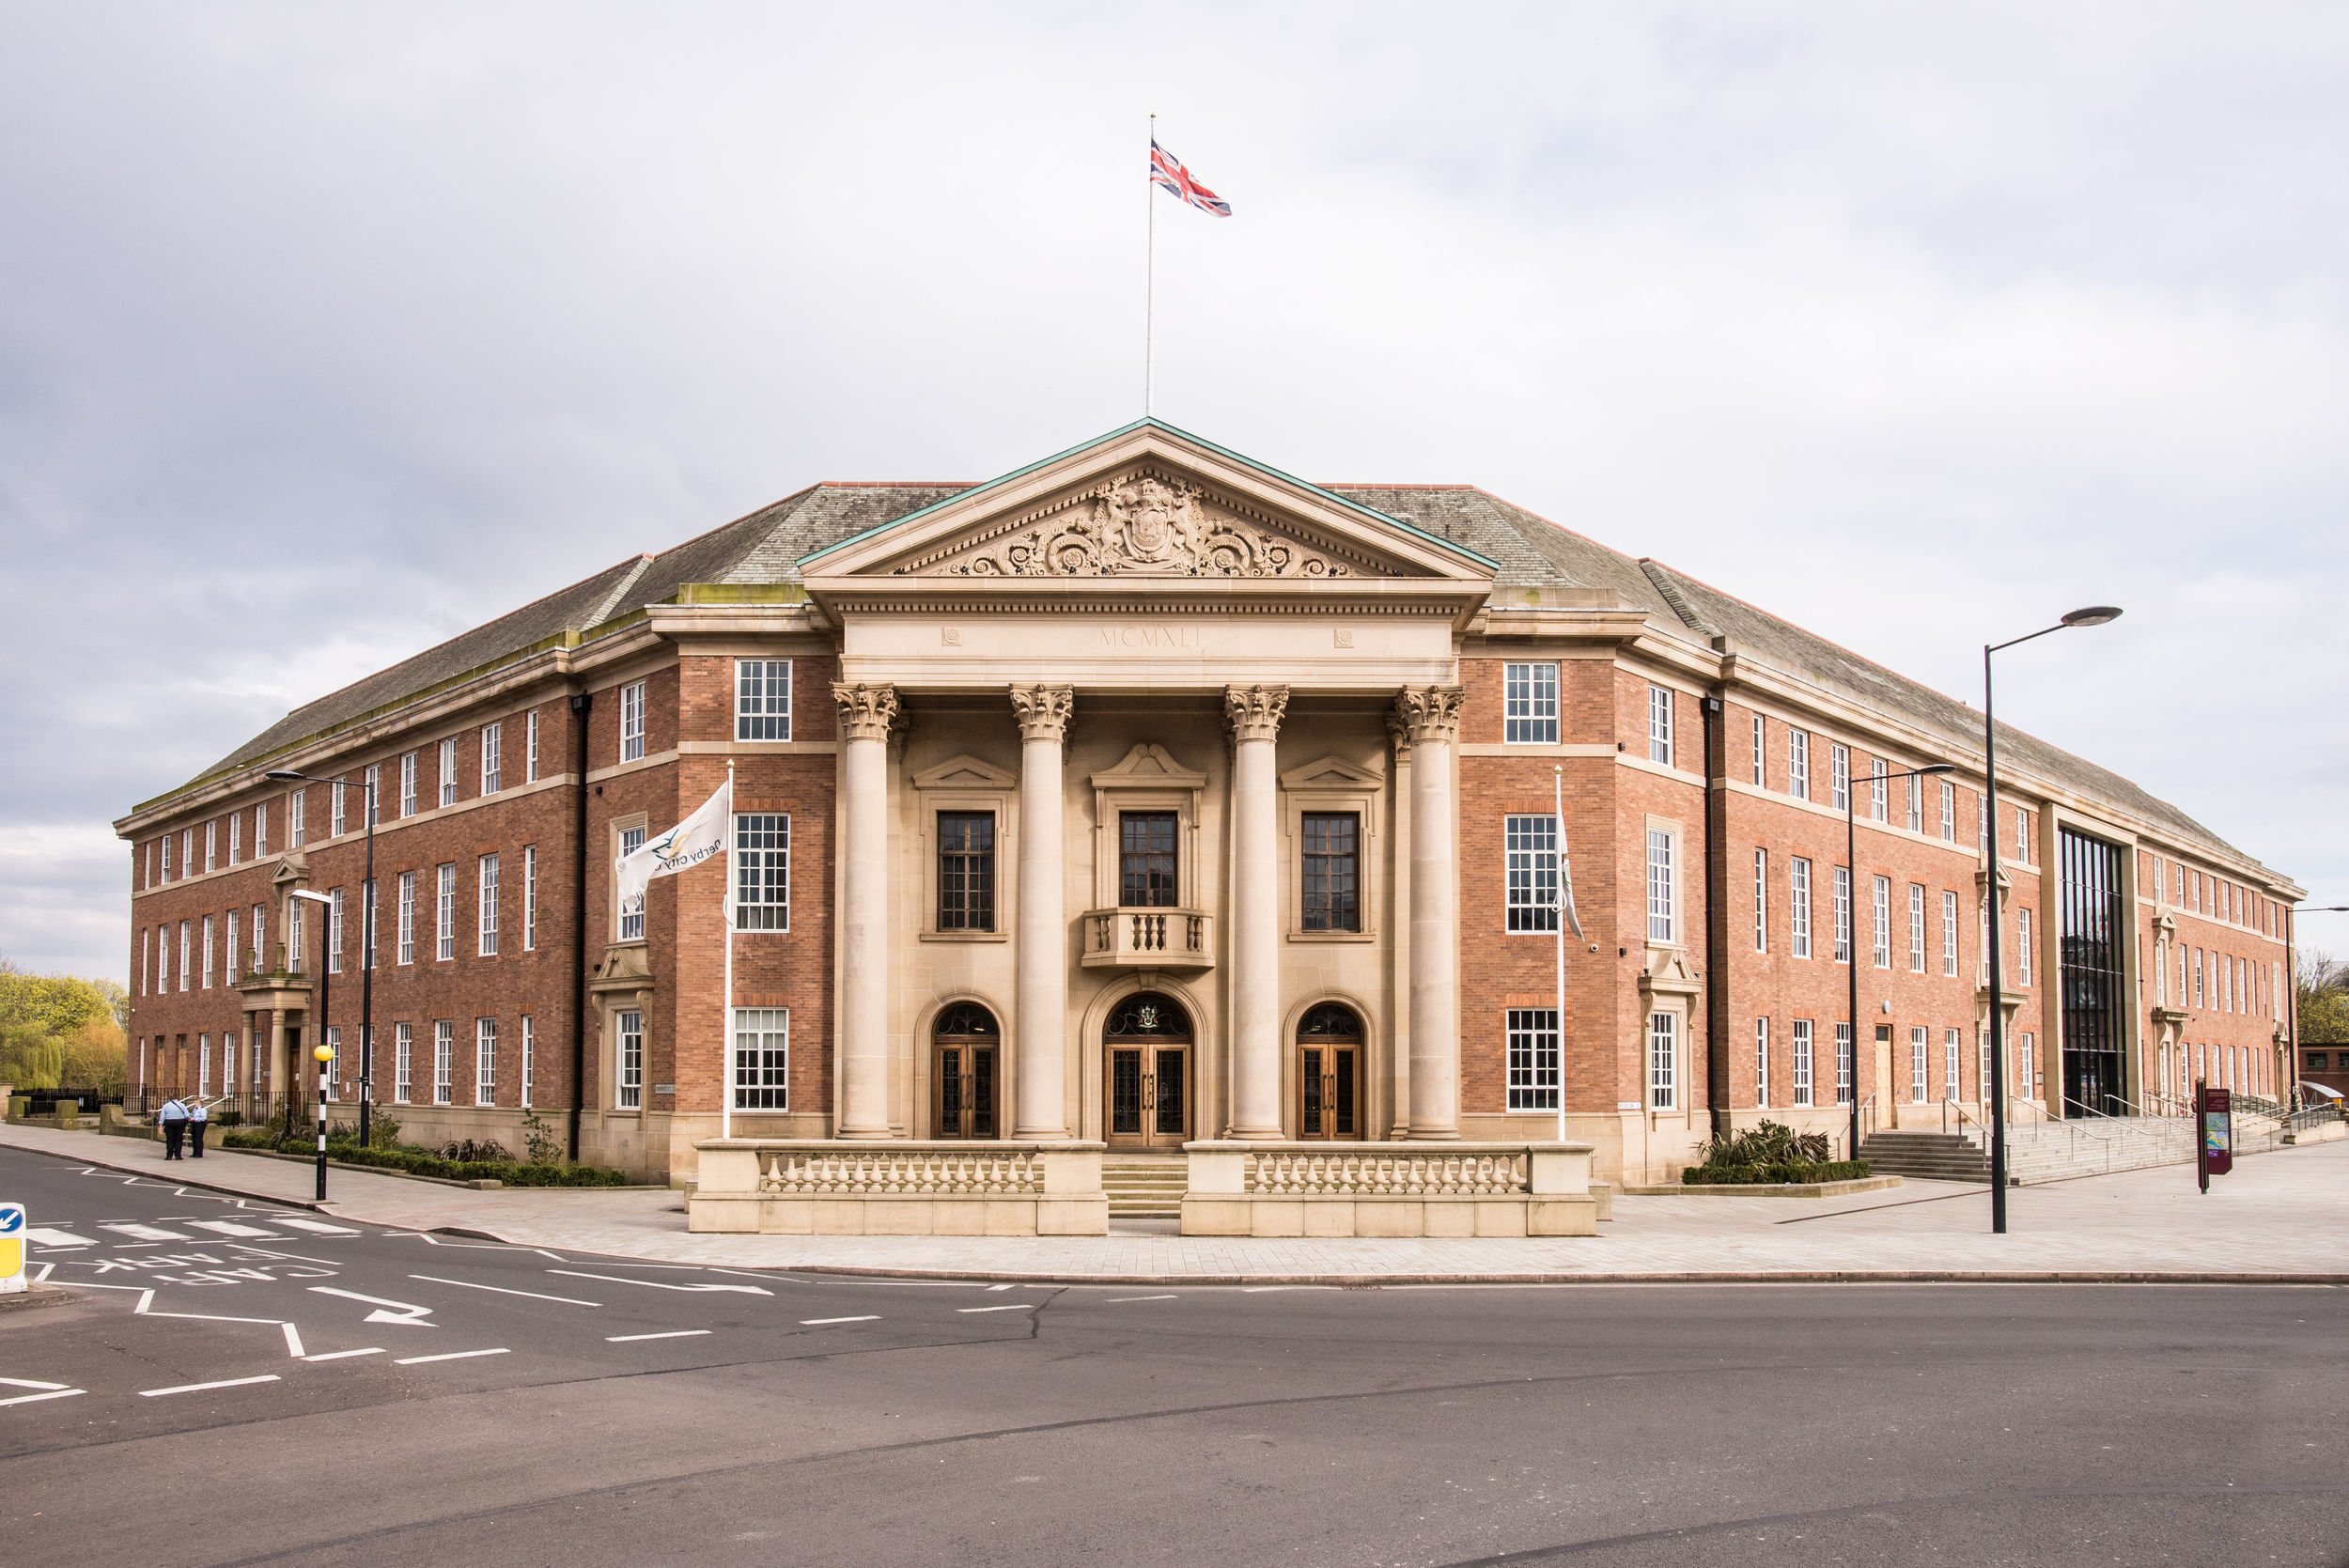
(239, 1382)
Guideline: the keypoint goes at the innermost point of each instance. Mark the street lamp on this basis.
(366, 958)
(1851, 869)
(2095, 615)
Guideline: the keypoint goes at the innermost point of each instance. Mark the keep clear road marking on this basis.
(1020, 1307)
(143, 1233)
(319, 1226)
(448, 1356)
(344, 1355)
(662, 1284)
(58, 1238)
(820, 1322)
(1116, 1299)
(408, 1313)
(672, 1334)
(229, 1227)
(467, 1284)
(51, 1390)
(199, 1387)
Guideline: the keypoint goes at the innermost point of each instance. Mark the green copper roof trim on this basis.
(1331, 496)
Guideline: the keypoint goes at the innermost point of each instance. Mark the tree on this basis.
(2320, 985)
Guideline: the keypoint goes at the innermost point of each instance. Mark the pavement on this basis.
(2277, 1219)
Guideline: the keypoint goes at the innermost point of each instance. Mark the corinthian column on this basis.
(1431, 716)
(1254, 714)
(1040, 991)
(866, 715)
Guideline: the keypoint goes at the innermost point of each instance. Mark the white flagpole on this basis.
(725, 1022)
(1558, 797)
(1150, 277)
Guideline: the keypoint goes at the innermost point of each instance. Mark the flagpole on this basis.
(1150, 277)
(1558, 798)
(725, 1021)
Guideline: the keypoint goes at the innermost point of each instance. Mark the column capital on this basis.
(1430, 713)
(866, 712)
(1253, 712)
(1043, 712)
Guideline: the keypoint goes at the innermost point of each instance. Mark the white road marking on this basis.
(1021, 1307)
(409, 1313)
(53, 1238)
(199, 1387)
(229, 1227)
(660, 1284)
(467, 1284)
(143, 1233)
(318, 1225)
(1113, 1298)
(999, 1287)
(36, 1399)
(672, 1334)
(342, 1354)
(29, 1383)
(450, 1355)
(820, 1322)
(293, 1341)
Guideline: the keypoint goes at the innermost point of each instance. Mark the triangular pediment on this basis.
(1330, 773)
(1146, 765)
(965, 773)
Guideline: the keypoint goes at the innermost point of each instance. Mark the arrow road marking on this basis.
(660, 1284)
(467, 1284)
(408, 1313)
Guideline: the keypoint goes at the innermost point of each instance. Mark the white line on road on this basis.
(199, 1387)
(662, 1284)
(1113, 1298)
(318, 1225)
(36, 1399)
(293, 1341)
(999, 1287)
(341, 1354)
(467, 1284)
(143, 1233)
(1022, 1306)
(409, 1313)
(53, 1238)
(29, 1383)
(672, 1334)
(450, 1355)
(820, 1322)
(229, 1227)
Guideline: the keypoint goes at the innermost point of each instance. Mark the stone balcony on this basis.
(1149, 938)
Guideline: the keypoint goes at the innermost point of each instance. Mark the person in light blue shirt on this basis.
(199, 1118)
(173, 1118)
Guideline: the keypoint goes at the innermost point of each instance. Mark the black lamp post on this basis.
(2095, 615)
(1851, 870)
(367, 946)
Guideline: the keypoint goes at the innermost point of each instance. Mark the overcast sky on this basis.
(327, 331)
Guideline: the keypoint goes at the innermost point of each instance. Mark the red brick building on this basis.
(1149, 794)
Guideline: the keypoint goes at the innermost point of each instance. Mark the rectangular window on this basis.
(445, 910)
(488, 924)
(1663, 1059)
(147, 879)
(1761, 900)
(403, 1062)
(208, 954)
(1916, 928)
(203, 1063)
(1951, 1088)
(1881, 924)
(630, 1027)
(1842, 914)
(297, 922)
(1145, 862)
(632, 721)
(966, 871)
(261, 831)
(408, 784)
(1838, 775)
(211, 838)
(530, 898)
(1878, 788)
(1762, 1064)
(762, 699)
(1662, 915)
(447, 778)
(1949, 935)
(1842, 1064)
(1530, 846)
(1659, 725)
(334, 817)
(530, 746)
(762, 1059)
(228, 1064)
(530, 1064)
(236, 835)
(407, 916)
(1802, 1063)
(1915, 804)
(331, 1071)
(1982, 820)
(762, 873)
(186, 952)
(1529, 704)
(371, 793)
(166, 843)
(1920, 1053)
(1949, 812)
(187, 853)
(2022, 836)
(492, 756)
(1332, 871)
(444, 1060)
(231, 952)
(2030, 1069)
(484, 1061)
(1760, 777)
(1799, 905)
(1532, 1043)
(335, 931)
(2022, 945)
(632, 910)
(259, 936)
(1798, 763)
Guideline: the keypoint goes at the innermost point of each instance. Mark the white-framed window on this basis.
(203, 1063)
(297, 922)
(408, 784)
(1761, 775)
(260, 829)
(147, 879)
(762, 871)
(488, 921)
(1663, 1059)
(1916, 928)
(1659, 725)
(632, 721)
(2030, 1068)
(166, 844)
(1529, 847)
(1838, 775)
(371, 794)
(632, 910)
(260, 937)
(1802, 1063)
(1798, 763)
(444, 1060)
(762, 1059)
(530, 1051)
(1881, 923)
(1920, 1052)
(493, 756)
(236, 835)
(1528, 704)
(1949, 810)
(628, 1026)
(530, 746)
(297, 818)
(187, 853)
(762, 699)
(187, 951)
(1879, 786)
(335, 931)
(1982, 820)
(1761, 900)
(484, 1061)
(335, 809)
(1842, 1064)
(407, 916)
(1981, 1066)
(1662, 905)
(1533, 1045)
(1799, 905)
(208, 954)
(445, 910)
(403, 1062)
(228, 1064)
(447, 778)
(1842, 914)
(1762, 1064)
(1949, 935)
(1950, 1088)
(1915, 804)
(2022, 945)
(2022, 836)
(211, 838)
(530, 898)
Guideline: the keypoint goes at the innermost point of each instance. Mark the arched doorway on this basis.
(968, 1045)
(1329, 1072)
(1147, 1042)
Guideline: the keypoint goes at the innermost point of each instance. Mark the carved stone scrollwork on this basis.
(1430, 713)
(1043, 712)
(1146, 524)
(866, 712)
(1253, 712)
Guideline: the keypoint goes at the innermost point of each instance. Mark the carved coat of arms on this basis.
(1145, 524)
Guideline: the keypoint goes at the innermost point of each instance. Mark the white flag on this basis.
(709, 831)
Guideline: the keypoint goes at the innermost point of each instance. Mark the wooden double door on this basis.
(1330, 1073)
(1146, 1059)
(968, 1045)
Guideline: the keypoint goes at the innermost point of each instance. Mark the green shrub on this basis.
(1771, 1144)
(424, 1162)
(539, 1144)
(1803, 1173)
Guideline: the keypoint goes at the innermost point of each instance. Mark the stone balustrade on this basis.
(899, 1188)
(1390, 1189)
(1149, 938)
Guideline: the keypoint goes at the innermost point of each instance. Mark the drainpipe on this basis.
(1716, 1092)
(581, 702)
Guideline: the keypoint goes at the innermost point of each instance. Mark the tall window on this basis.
(1758, 776)
(1798, 763)
(484, 1061)
(236, 835)
(488, 920)
(530, 898)
(2030, 1066)
(1878, 788)
(1659, 725)
(1662, 915)
(2022, 836)
(334, 817)
(208, 954)
(1332, 871)
(1529, 704)
(1949, 810)
(1838, 775)
(1762, 1064)
(229, 953)
(530, 1063)
(493, 756)
(1761, 900)
(762, 699)
(1531, 845)
(372, 803)
(1881, 923)
(333, 931)
(1799, 905)
(762, 872)
(444, 1060)
(1982, 820)
(408, 784)
(407, 916)
(211, 841)
(1920, 1053)
(530, 746)
(632, 721)
(186, 952)
(403, 1062)
(1842, 1064)
(260, 923)
(1842, 914)
(1663, 1059)
(166, 841)
(1916, 928)
(1534, 1074)
(629, 1026)
(966, 871)
(1949, 935)
(1950, 1088)
(445, 910)
(762, 1059)
(187, 853)
(1802, 1054)
(1145, 861)
(297, 920)
(2022, 945)
(447, 776)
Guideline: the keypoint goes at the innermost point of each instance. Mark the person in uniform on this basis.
(174, 1120)
(198, 1117)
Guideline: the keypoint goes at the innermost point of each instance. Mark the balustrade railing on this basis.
(1150, 937)
(1298, 1174)
(883, 1173)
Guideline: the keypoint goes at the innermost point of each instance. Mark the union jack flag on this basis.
(1168, 174)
